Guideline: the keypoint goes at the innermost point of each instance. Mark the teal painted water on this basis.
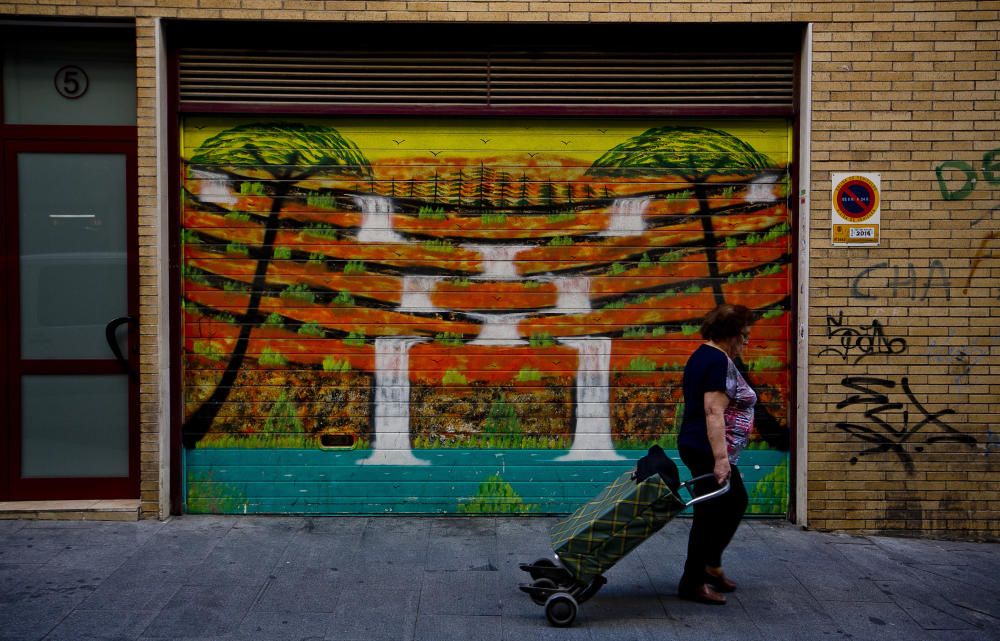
(292, 481)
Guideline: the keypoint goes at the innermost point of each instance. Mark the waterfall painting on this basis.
(468, 316)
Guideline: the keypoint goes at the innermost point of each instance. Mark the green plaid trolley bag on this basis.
(601, 532)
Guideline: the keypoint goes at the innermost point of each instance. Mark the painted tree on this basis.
(279, 156)
(458, 188)
(693, 154)
(522, 200)
(503, 190)
(435, 187)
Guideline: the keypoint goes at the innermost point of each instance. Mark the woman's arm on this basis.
(715, 408)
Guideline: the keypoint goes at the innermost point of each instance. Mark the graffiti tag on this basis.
(981, 255)
(892, 426)
(863, 340)
(902, 283)
(968, 175)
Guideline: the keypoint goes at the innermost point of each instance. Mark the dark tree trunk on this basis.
(201, 420)
(710, 252)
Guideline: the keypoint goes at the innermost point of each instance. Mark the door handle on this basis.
(109, 335)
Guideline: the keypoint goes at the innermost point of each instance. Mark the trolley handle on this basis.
(689, 486)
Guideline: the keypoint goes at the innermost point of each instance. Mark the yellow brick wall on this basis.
(904, 338)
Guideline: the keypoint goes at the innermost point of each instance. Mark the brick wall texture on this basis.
(903, 339)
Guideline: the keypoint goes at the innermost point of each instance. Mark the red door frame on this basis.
(62, 139)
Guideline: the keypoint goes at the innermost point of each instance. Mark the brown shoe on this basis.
(719, 581)
(702, 594)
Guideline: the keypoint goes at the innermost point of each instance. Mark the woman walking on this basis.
(718, 418)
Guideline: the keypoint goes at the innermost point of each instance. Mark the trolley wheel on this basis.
(541, 596)
(560, 610)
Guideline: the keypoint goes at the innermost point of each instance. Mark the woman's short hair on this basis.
(726, 321)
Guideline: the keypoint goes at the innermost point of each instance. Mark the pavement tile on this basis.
(394, 541)
(630, 629)
(99, 560)
(979, 594)
(462, 553)
(379, 614)
(629, 594)
(438, 627)
(10, 526)
(795, 632)
(13, 577)
(535, 627)
(310, 549)
(464, 526)
(931, 610)
(470, 594)
(296, 590)
(775, 604)
(172, 546)
(29, 553)
(102, 625)
(31, 620)
(930, 551)
(826, 580)
(95, 533)
(135, 587)
(988, 634)
(245, 555)
(875, 621)
(876, 562)
(282, 626)
(49, 585)
(202, 611)
(344, 525)
(697, 622)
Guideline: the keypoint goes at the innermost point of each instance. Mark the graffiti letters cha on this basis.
(460, 294)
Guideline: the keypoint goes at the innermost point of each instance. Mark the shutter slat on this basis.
(508, 79)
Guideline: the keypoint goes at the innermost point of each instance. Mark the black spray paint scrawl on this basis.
(891, 427)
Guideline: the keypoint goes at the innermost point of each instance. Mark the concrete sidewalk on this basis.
(443, 579)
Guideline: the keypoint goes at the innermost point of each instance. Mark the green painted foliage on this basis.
(283, 418)
(770, 494)
(285, 150)
(692, 152)
(502, 418)
(497, 496)
(205, 495)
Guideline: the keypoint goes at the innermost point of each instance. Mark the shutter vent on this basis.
(487, 80)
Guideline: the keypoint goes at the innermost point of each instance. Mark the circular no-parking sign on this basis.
(855, 198)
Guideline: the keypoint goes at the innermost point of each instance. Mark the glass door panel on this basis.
(73, 245)
(74, 426)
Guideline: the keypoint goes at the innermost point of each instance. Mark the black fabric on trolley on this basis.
(656, 461)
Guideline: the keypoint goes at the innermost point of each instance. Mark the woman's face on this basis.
(739, 343)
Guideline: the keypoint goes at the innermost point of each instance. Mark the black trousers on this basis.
(715, 521)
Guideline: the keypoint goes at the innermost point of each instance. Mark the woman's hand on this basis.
(722, 470)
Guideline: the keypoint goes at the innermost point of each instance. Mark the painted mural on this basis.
(468, 316)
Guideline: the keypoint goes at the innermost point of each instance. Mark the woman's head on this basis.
(727, 322)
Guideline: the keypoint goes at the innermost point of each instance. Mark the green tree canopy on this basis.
(693, 153)
(282, 150)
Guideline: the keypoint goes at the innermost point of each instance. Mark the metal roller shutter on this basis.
(465, 315)
(488, 80)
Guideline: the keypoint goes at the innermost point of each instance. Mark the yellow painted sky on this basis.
(581, 142)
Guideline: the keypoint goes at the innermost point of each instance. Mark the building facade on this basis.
(450, 257)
